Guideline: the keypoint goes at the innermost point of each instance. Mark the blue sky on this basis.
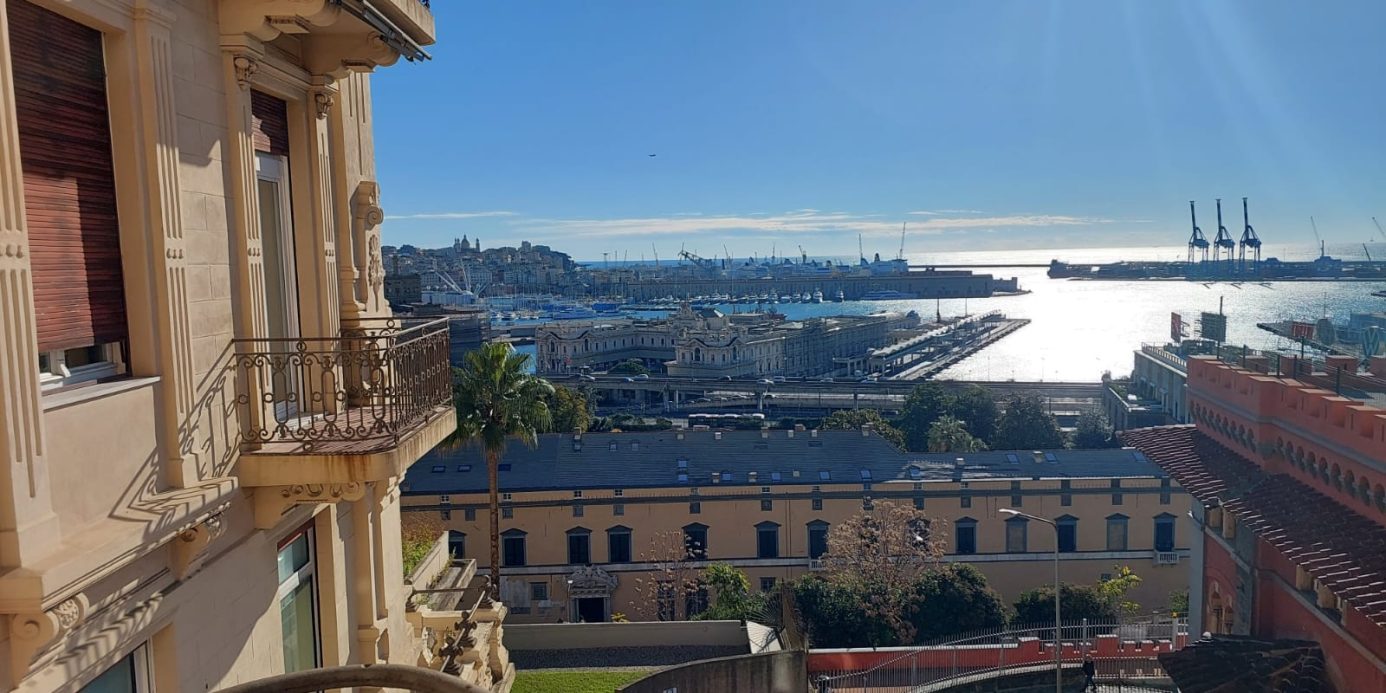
(987, 125)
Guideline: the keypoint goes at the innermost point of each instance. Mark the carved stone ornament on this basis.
(246, 67)
(375, 268)
(591, 581)
(271, 502)
(367, 199)
(323, 101)
(191, 547)
(31, 633)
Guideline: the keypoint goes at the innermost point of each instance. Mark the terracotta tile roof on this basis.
(1345, 551)
(1231, 664)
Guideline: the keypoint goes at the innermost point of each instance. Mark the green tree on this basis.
(1027, 426)
(925, 404)
(955, 598)
(855, 419)
(630, 367)
(497, 399)
(1036, 606)
(832, 616)
(1115, 588)
(1093, 431)
(976, 407)
(1179, 603)
(732, 598)
(949, 435)
(570, 410)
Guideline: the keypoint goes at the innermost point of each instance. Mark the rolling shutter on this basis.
(69, 181)
(269, 124)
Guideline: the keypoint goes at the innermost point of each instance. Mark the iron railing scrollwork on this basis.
(374, 382)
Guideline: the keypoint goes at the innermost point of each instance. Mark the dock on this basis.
(929, 369)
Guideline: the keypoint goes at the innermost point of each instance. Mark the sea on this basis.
(1081, 329)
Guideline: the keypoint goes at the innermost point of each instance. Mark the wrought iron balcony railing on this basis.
(356, 393)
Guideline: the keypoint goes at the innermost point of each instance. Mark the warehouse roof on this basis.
(700, 458)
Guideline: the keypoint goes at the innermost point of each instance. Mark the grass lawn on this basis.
(573, 681)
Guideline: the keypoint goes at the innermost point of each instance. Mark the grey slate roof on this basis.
(651, 460)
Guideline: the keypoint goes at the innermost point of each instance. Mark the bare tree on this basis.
(880, 554)
(673, 581)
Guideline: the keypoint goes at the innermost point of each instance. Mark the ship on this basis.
(885, 295)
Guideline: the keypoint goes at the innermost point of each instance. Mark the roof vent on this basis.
(717, 435)
(813, 433)
(791, 433)
(959, 462)
(799, 427)
(764, 433)
(678, 436)
(1039, 456)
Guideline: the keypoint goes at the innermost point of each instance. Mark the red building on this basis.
(1288, 477)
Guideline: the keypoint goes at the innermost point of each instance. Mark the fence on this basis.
(1120, 649)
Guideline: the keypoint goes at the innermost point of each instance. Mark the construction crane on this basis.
(803, 256)
(1224, 238)
(861, 254)
(1249, 240)
(1197, 241)
(709, 265)
(1317, 237)
(901, 254)
(1379, 229)
(656, 254)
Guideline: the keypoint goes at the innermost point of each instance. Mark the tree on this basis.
(418, 533)
(1114, 590)
(949, 435)
(924, 405)
(1093, 431)
(497, 399)
(976, 407)
(955, 598)
(1036, 606)
(879, 555)
(665, 589)
(1179, 603)
(630, 367)
(856, 419)
(569, 410)
(832, 616)
(1027, 426)
(732, 598)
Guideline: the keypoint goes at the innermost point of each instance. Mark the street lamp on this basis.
(1058, 642)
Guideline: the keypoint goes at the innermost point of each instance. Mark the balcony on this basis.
(333, 37)
(321, 416)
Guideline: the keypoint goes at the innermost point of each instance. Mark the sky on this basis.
(981, 125)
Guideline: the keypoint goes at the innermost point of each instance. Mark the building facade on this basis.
(201, 485)
(581, 515)
(1288, 477)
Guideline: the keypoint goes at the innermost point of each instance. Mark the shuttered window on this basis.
(269, 124)
(69, 182)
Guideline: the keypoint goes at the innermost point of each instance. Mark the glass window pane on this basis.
(118, 679)
(293, 557)
(296, 612)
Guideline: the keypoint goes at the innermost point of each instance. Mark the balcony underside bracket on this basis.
(271, 502)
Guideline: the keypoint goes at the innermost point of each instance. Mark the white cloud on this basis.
(938, 212)
(452, 215)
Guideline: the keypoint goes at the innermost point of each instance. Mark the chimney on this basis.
(799, 427)
(790, 432)
(678, 435)
(764, 434)
(1038, 455)
(813, 433)
(717, 435)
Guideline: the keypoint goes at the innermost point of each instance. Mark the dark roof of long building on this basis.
(1233, 664)
(653, 460)
(1342, 549)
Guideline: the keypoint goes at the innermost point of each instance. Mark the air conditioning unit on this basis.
(817, 564)
(546, 603)
(1166, 557)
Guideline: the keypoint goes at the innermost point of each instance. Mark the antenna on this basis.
(861, 254)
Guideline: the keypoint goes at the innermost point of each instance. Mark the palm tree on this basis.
(948, 434)
(497, 399)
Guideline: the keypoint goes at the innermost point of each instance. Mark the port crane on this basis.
(709, 265)
(1249, 240)
(1197, 241)
(1379, 229)
(1224, 239)
(1317, 237)
(901, 255)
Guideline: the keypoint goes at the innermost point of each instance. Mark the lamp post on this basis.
(1058, 638)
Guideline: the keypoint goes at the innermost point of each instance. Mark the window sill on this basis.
(86, 392)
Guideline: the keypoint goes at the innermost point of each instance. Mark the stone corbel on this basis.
(267, 19)
(272, 501)
(190, 548)
(31, 633)
(366, 204)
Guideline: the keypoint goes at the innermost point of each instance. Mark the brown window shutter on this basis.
(269, 123)
(69, 181)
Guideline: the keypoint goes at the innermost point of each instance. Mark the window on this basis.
(507, 512)
(1068, 533)
(618, 509)
(1116, 497)
(1017, 535)
(577, 494)
(695, 540)
(696, 601)
(817, 538)
(503, 467)
(767, 584)
(298, 602)
(763, 489)
(775, 476)
(916, 473)
(1065, 498)
(129, 675)
(664, 600)
(866, 503)
(513, 547)
(919, 502)
(683, 477)
(618, 544)
(579, 546)
(965, 501)
(444, 499)
(577, 510)
(69, 196)
(1164, 532)
(695, 508)
(1164, 491)
(538, 591)
(1116, 532)
(767, 540)
(618, 493)
(439, 468)
(469, 514)
(457, 544)
(1017, 500)
(825, 476)
(683, 463)
(965, 536)
(446, 515)
(464, 467)
(766, 505)
(726, 476)
(865, 474)
(817, 503)
(505, 496)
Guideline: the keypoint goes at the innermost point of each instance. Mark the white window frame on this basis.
(139, 657)
(56, 374)
(307, 572)
(274, 168)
